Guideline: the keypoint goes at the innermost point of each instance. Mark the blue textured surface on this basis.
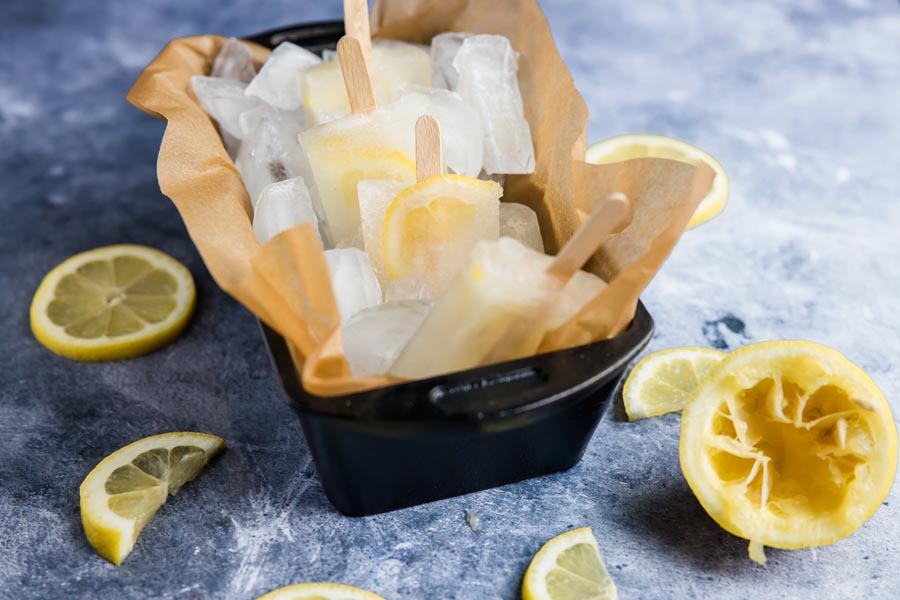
(798, 99)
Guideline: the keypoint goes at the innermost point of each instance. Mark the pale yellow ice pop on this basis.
(426, 231)
(391, 65)
(369, 144)
(501, 302)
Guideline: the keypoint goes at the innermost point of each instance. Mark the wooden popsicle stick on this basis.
(356, 24)
(356, 76)
(429, 160)
(608, 218)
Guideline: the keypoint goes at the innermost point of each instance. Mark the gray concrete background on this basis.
(797, 98)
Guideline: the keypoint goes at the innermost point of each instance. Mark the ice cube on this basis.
(444, 47)
(398, 290)
(234, 61)
(354, 240)
(374, 337)
(462, 136)
(498, 178)
(224, 100)
(375, 195)
(277, 80)
(353, 281)
(281, 206)
(520, 223)
(290, 121)
(487, 82)
(271, 154)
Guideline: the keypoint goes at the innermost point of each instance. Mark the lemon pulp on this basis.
(789, 445)
(126, 488)
(569, 567)
(112, 303)
(662, 382)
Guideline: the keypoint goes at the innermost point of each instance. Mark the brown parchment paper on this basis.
(286, 282)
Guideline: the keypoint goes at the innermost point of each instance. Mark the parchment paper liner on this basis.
(286, 282)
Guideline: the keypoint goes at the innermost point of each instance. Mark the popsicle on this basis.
(498, 306)
(369, 144)
(391, 64)
(426, 231)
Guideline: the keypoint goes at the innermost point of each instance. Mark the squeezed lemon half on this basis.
(662, 382)
(569, 567)
(431, 227)
(789, 445)
(112, 303)
(320, 591)
(645, 145)
(126, 489)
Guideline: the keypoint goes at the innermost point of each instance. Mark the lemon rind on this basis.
(151, 337)
(326, 590)
(643, 371)
(807, 534)
(534, 582)
(111, 535)
(714, 202)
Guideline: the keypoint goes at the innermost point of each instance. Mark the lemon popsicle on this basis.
(377, 143)
(433, 226)
(425, 231)
(429, 228)
(393, 65)
(500, 287)
(501, 302)
(344, 152)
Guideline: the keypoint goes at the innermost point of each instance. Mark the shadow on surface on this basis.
(617, 410)
(673, 517)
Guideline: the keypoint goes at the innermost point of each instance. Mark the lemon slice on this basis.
(112, 303)
(320, 591)
(430, 228)
(662, 382)
(788, 444)
(645, 145)
(125, 490)
(569, 567)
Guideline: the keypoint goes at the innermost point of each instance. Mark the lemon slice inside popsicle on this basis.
(430, 227)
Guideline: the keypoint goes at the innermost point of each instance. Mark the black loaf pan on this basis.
(435, 438)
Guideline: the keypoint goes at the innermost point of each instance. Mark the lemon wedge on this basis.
(645, 145)
(320, 591)
(788, 444)
(569, 567)
(125, 490)
(662, 382)
(112, 303)
(431, 227)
